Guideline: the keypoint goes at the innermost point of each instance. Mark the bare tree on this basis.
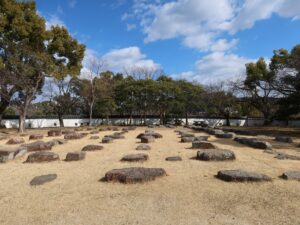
(61, 97)
(95, 66)
(143, 72)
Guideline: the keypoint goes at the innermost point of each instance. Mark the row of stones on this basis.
(74, 156)
(141, 174)
(231, 133)
(211, 153)
(10, 154)
(251, 142)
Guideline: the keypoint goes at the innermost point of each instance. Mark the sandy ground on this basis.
(189, 195)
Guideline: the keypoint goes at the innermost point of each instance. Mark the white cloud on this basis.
(118, 60)
(201, 23)
(216, 67)
(54, 20)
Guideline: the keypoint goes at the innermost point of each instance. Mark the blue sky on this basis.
(205, 41)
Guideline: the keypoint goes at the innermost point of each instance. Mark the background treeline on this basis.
(41, 74)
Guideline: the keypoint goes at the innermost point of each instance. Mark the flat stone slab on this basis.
(140, 136)
(187, 135)
(15, 141)
(37, 157)
(215, 155)
(68, 132)
(187, 139)
(7, 154)
(143, 147)
(254, 143)
(107, 140)
(94, 132)
(174, 158)
(38, 146)
(284, 139)
(74, 136)
(117, 136)
(291, 175)
(135, 158)
(36, 136)
(39, 180)
(241, 176)
(156, 135)
(91, 148)
(283, 156)
(60, 141)
(94, 137)
(213, 131)
(75, 156)
(202, 145)
(54, 133)
(134, 174)
(201, 138)
(147, 139)
(226, 135)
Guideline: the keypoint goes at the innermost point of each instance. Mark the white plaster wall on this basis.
(42, 123)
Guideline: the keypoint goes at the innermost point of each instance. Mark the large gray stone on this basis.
(68, 132)
(284, 139)
(229, 135)
(147, 139)
(107, 140)
(15, 141)
(89, 148)
(156, 135)
(39, 180)
(187, 135)
(291, 175)
(174, 158)
(201, 138)
(38, 146)
(7, 154)
(134, 174)
(94, 132)
(74, 136)
(187, 139)
(54, 133)
(254, 143)
(143, 147)
(135, 158)
(36, 136)
(283, 156)
(202, 145)
(59, 141)
(45, 156)
(241, 176)
(75, 156)
(94, 137)
(215, 155)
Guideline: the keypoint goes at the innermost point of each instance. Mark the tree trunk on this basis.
(267, 120)
(160, 118)
(130, 119)
(22, 117)
(186, 119)
(61, 121)
(91, 113)
(227, 120)
(22, 122)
